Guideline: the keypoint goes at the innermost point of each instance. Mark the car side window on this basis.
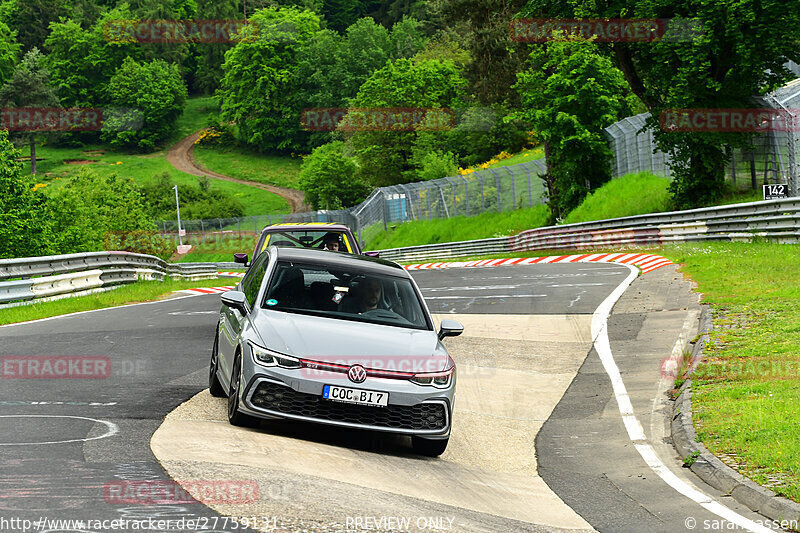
(252, 280)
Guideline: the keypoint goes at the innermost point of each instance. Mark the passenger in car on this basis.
(331, 242)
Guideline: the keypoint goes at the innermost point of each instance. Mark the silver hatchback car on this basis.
(335, 339)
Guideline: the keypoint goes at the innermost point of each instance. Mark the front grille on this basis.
(281, 399)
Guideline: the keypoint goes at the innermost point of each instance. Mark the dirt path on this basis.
(181, 156)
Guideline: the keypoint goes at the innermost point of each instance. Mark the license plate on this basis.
(359, 396)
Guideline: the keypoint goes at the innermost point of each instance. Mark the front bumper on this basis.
(276, 392)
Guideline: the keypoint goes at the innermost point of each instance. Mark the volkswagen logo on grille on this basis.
(357, 374)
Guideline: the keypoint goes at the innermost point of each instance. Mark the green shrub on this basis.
(328, 178)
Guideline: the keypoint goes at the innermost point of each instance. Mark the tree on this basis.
(24, 215)
(258, 90)
(29, 87)
(483, 26)
(156, 91)
(9, 52)
(329, 180)
(211, 56)
(384, 156)
(82, 61)
(569, 94)
(99, 212)
(31, 19)
(738, 52)
(164, 46)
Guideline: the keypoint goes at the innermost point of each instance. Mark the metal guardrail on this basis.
(57, 275)
(775, 220)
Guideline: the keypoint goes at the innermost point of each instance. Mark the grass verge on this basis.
(746, 392)
(142, 291)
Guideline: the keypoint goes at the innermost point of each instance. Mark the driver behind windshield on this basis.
(369, 294)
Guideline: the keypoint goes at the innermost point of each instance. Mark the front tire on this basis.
(214, 385)
(429, 447)
(235, 417)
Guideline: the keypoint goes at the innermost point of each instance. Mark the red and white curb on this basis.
(231, 274)
(208, 290)
(645, 262)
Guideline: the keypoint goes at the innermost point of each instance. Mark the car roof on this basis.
(339, 259)
(310, 226)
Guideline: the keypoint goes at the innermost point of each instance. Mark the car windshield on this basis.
(308, 239)
(347, 294)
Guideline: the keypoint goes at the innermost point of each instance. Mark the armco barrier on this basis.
(775, 220)
(49, 276)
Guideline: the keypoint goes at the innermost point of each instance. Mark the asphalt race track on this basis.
(538, 441)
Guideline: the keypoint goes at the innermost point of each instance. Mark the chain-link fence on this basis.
(493, 189)
(771, 158)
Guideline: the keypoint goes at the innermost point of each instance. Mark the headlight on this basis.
(439, 380)
(269, 358)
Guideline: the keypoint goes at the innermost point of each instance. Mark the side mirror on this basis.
(240, 258)
(450, 328)
(372, 254)
(235, 300)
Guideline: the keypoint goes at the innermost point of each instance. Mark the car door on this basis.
(232, 322)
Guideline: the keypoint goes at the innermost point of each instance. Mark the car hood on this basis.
(350, 342)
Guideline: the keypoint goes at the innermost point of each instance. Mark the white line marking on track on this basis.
(113, 429)
(602, 346)
(485, 297)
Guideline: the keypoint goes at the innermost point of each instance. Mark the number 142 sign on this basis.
(775, 191)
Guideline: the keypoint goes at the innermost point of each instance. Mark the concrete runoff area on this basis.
(508, 384)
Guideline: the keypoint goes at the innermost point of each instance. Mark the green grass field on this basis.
(54, 171)
(746, 393)
(244, 164)
(142, 291)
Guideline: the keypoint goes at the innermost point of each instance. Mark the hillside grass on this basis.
(632, 194)
(143, 169)
(453, 229)
(244, 164)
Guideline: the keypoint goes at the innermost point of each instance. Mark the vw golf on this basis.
(333, 338)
